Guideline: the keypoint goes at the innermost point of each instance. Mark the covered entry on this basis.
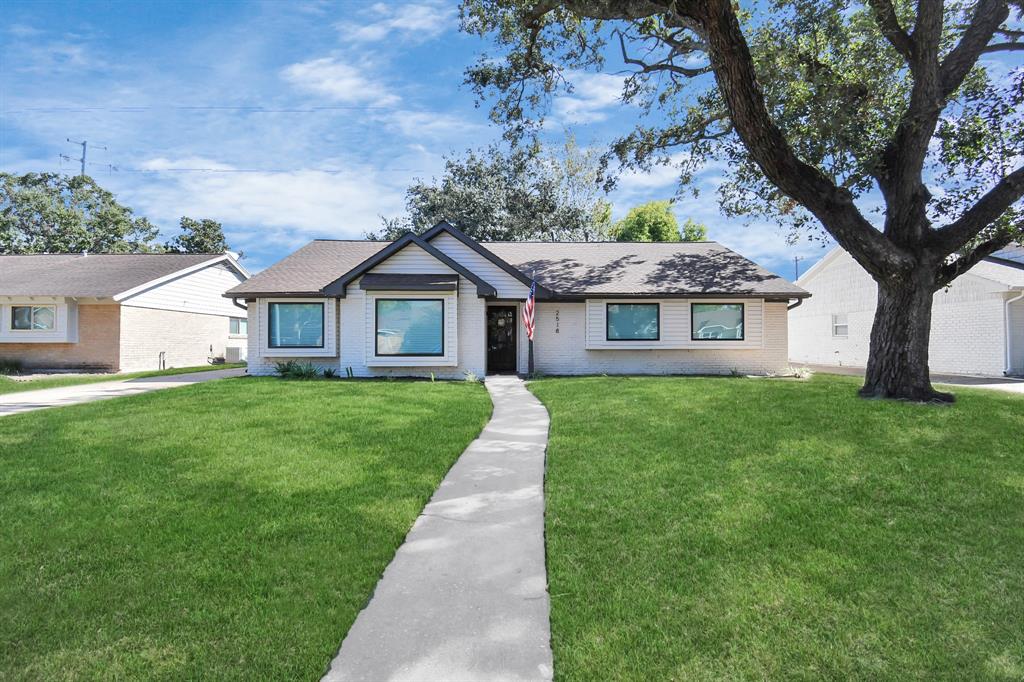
(501, 339)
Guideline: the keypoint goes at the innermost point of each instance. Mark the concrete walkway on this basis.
(465, 598)
(26, 401)
(1005, 384)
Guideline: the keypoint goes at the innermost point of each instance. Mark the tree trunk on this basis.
(898, 359)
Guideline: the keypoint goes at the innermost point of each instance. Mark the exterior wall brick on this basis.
(97, 348)
(559, 348)
(968, 328)
(185, 338)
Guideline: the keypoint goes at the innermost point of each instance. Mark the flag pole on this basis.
(533, 278)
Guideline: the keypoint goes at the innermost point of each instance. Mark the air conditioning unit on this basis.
(232, 354)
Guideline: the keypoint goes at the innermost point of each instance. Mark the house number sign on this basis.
(556, 320)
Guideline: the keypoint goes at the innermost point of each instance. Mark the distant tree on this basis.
(521, 194)
(198, 236)
(694, 231)
(650, 222)
(53, 213)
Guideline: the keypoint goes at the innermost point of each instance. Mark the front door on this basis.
(501, 339)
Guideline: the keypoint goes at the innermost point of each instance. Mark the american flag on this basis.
(528, 311)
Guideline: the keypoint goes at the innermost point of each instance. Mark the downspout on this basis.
(243, 307)
(799, 302)
(1009, 335)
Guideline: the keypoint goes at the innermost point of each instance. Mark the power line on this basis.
(143, 109)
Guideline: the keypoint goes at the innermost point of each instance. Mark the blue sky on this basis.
(266, 97)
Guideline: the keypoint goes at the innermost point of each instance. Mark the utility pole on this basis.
(84, 144)
(796, 267)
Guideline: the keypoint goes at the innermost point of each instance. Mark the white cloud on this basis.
(593, 94)
(414, 22)
(273, 213)
(419, 124)
(338, 81)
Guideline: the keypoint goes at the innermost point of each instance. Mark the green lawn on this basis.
(8, 385)
(705, 529)
(227, 530)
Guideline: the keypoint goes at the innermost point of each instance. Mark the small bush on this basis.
(293, 369)
(330, 373)
(470, 377)
(10, 367)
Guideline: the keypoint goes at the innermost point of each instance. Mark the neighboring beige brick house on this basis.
(119, 312)
(444, 305)
(977, 322)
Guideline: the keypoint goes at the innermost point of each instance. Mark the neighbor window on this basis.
(410, 326)
(716, 321)
(839, 325)
(238, 326)
(632, 322)
(296, 325)
(33, 317)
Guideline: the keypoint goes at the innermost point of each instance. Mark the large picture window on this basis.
(296, 325)
(33, 317)
(632, 322)
(410, 326)
(716, 321)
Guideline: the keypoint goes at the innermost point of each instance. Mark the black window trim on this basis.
(323, 324)
(376, 326)
(743, 314)
(607, 335)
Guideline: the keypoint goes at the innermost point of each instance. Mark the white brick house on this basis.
(977, 322)
(119, 312)
(445, 305)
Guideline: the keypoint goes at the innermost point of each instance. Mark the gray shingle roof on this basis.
(1013, 252)
(95, 275)
(642, 268)
(566, 268)
(309, 269)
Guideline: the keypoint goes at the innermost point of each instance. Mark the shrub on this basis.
(330, 372)
(471, 377)
(10, 367)
(293, 369)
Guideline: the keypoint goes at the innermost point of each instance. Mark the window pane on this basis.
(21, 317)
(633, 321)
(296, 325)
(43, 317)
(410, 327)
(233, 325)
(243, 326)
(717, 321)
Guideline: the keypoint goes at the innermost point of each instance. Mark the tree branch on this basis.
(988, 15)
(952, 270)
(1002, 47)
(664, 65)
(833, 206)
(888, 22)
(985, 211)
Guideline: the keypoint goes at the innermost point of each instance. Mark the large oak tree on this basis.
(809, 105)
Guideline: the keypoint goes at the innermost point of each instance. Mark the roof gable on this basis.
(338, 287)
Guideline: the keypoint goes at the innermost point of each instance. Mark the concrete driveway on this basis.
(27, 401)
(1007, 385)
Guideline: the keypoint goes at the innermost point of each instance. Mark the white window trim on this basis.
(330, 348)
(65, 327)
(451, 331)
(32, 307)
(836, 324)
(238, 336)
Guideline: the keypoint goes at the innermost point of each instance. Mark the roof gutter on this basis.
(234, 300)
(799, 302)
(1006, 329)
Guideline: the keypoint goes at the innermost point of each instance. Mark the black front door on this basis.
(501, 339)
